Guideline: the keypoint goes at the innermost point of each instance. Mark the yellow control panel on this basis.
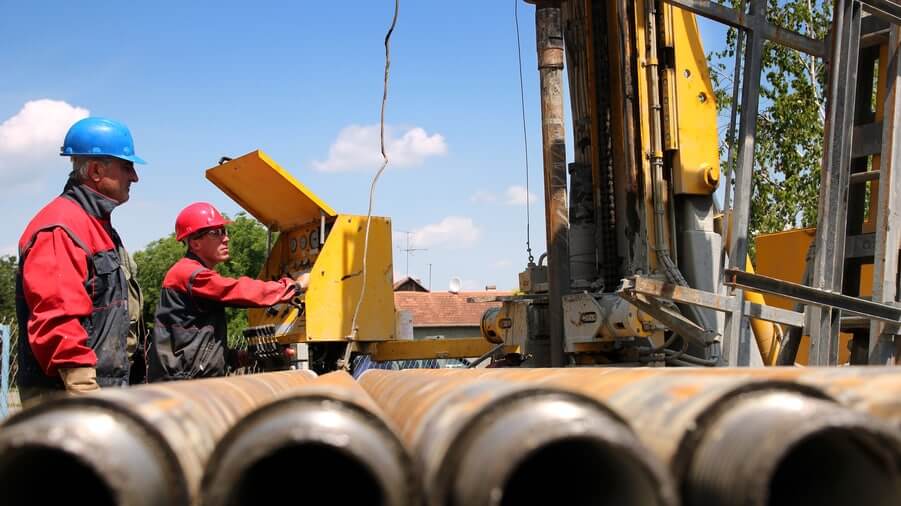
(313, 239)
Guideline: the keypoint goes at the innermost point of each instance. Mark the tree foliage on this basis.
(153, 263)
(791, 115)
(8, 267)
(247, 246)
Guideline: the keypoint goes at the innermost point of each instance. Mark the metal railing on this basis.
(8, 365)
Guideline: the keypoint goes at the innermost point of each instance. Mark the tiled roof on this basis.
(412, 284)
(445, 309)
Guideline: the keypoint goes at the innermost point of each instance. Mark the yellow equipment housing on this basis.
(690, 107)
(313, 239)
(782, 255)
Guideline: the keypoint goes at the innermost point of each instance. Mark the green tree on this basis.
(8, 266)
(790, 118)
(153, 263)
(247, 246)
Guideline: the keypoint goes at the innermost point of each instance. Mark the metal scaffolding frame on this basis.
(888, 222)
(832, 217)
(823, 299)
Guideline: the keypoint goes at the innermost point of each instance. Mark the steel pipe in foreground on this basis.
(140, 446)
(323, 443)
(868, 389)
(739, 440)
(873, 390)
(481, 442)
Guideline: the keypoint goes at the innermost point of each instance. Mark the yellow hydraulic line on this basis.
(764, 332)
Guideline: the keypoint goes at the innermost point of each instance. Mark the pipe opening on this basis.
(593, 474)
(831, 468)
(313, 473)
(38, 475)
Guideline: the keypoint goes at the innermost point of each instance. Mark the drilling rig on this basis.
(644, 265)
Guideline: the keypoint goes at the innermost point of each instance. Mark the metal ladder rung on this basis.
(863, 177)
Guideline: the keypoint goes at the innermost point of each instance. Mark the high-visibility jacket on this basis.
(71, 292)
(190, 334)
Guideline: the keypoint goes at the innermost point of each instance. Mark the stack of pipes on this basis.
(652, 436)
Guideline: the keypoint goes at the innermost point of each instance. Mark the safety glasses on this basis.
(218, 233)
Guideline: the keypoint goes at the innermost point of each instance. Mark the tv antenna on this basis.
(408, 250)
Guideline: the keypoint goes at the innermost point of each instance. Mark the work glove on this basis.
(302, 282)
(79, 380)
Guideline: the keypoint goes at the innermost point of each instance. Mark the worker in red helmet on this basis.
(189, 335)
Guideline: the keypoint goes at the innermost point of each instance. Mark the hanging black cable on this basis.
(525, 137)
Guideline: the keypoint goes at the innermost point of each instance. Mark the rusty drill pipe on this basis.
(733, 439)
(141, 446)
(326, 435)
(793, 450)
(869, 389)
(873, 390)
(482, 442)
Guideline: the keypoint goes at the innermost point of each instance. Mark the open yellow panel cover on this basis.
(268, 192)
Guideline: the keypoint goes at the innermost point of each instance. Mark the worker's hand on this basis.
(79, 380)
(302, 282)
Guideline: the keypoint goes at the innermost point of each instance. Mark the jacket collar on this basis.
(93, 202)
(192, 256)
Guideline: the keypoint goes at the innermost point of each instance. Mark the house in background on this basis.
(442, 315)
(408, 284)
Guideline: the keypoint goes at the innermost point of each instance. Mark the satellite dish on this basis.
(455, 285)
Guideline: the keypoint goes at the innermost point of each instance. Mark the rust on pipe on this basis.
(874, 390)
(328, 435)
(479, 441)
(140, 446)
(733, 438)
(869, 389)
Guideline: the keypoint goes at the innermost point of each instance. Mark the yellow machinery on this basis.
(640, 269)
(314, 239)
(641, 197)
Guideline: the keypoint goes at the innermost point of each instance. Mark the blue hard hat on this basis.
(100, 137)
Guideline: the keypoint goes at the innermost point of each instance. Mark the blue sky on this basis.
(302, 81)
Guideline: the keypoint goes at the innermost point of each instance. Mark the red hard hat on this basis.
(196, 217)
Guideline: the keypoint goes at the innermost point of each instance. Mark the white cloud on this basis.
(483, 197)
(451, 232)
(516, 196)
(357, 148)
(9, 250)
(30, 140)
(503, 263)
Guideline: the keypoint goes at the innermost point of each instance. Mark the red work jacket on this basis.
(190, 332)
(71, 292)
